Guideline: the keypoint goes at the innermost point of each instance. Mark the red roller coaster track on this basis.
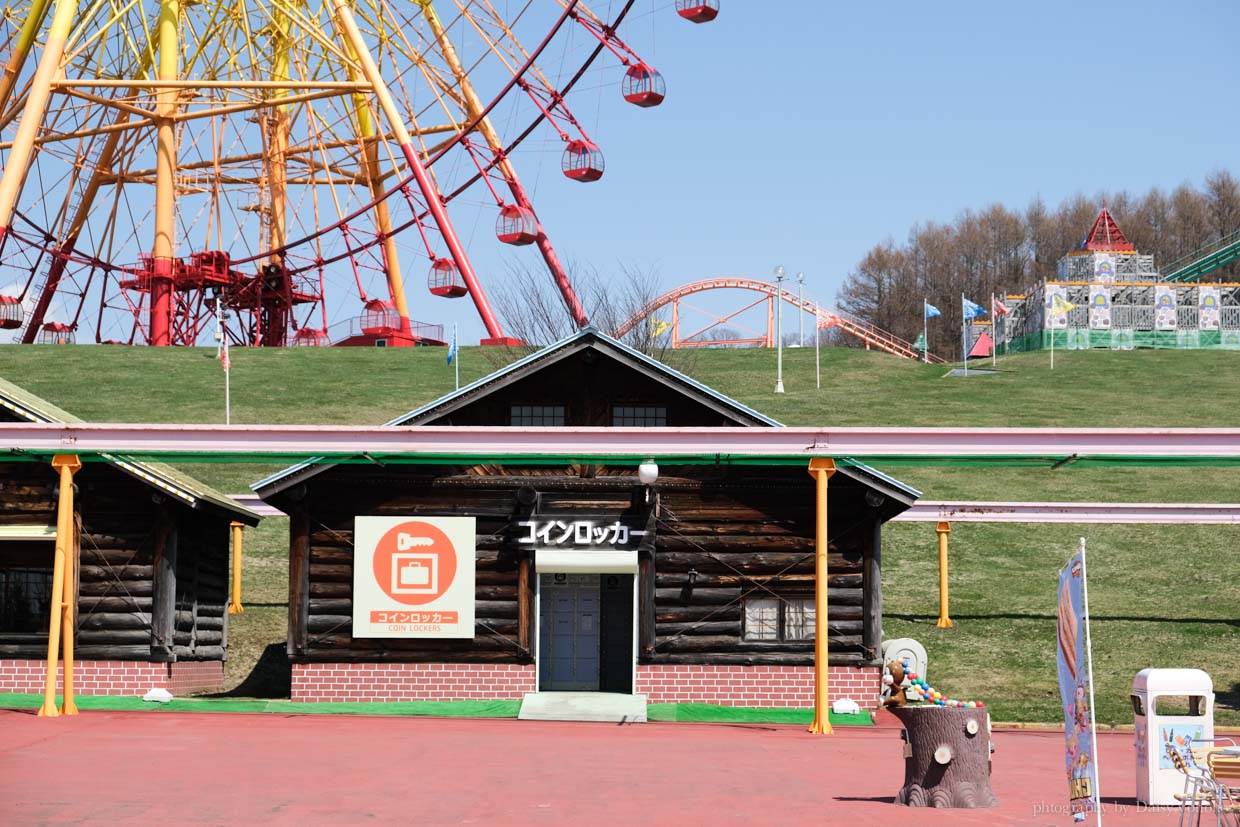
(871, 336)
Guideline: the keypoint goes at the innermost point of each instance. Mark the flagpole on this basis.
(227, 386)
(1089, 666)
(1052, 340)
(994, 334)
(925, 333)
(456, 359)
(817, 345)
(964, 345)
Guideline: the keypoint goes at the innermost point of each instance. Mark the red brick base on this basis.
(753, 686)
(756, 686)
(116, 677)
(411, 681)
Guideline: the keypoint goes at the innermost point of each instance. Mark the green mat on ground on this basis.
(443, 709)
(748, 715)
(704, 713)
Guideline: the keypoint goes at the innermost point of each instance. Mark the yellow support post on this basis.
(943, 529)
(235, 607)
(62, 597)
(821, 470)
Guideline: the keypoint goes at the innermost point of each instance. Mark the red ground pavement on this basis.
(178, 768)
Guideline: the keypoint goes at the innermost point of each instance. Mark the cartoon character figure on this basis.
(893, 685)
(1082, 709)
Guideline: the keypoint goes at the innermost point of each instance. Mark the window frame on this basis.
(655, 412)
(527, 412)
(26, 562)
(782, 603)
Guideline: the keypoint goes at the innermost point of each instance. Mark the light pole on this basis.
(800, 310)
(779, 329)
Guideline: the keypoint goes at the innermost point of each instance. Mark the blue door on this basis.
(568, 642)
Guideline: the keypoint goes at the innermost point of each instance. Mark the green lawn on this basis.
(1161, 595)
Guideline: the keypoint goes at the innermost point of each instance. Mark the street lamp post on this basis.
(800, 310)
(779, 329)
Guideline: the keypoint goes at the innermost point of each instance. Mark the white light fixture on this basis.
(648, 472)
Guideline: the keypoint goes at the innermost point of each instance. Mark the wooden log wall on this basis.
(200, 623)
(119, 537)
(719, 546)
(733, 540)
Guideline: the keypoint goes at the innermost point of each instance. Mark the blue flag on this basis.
(452, 346)
(931, 311)
(971, 310)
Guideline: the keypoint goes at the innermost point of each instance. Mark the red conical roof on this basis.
(1106, 236)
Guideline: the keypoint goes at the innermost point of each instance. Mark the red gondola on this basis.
(444, 279)
(582, 161)
(11, 313)
(516, 225)
(379, 316)
(310, 337)
(643, 86)
(698, 11)
(56, 333)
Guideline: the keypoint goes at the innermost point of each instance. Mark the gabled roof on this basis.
(590, 338)
(1106, 236)
(183, 487)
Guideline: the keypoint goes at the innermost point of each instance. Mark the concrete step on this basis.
(583, 706)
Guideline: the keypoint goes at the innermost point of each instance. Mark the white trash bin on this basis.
(1170, 706)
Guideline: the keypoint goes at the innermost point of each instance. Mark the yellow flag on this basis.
(1060, 306)
(659, 326)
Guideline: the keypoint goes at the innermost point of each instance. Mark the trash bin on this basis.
(1170, 706)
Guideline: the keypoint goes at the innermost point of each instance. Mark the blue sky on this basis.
(801, 133)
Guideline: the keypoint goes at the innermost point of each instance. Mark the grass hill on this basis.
(1162, 595)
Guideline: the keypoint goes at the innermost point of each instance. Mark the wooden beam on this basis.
(299, 579)
(164, 586)
(872, 603)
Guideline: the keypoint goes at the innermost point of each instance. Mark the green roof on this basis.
(191, 491)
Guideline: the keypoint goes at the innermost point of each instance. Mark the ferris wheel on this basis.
(281, 164)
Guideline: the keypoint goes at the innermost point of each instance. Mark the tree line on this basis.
(999, 251)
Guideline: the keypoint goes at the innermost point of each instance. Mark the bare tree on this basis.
(534, 312)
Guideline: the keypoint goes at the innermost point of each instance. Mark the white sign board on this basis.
(413, 577)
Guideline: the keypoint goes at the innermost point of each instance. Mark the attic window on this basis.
(639, 416)
(532, 416)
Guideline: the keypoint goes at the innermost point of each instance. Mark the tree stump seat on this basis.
(946, 757)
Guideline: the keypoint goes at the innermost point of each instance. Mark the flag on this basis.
(452, 348)
(658, 326)
(920, 344)
(1076, 688)
(1060, 306)
(224, 360)
(931, 311)
(1000, 308)
(971, 310)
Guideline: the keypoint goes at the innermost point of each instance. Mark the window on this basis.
(779, 618)
(25, 600)
(536, 415)
(639, 416)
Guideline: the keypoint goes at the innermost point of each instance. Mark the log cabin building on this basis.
(152, 550)
(697, 587)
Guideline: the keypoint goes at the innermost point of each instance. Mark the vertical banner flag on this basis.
(1056, 297)
(1104, 268)
(1099, 307)
(931, 311)
(413, 577)
(1076, 687)
(1207, 308)
(1164, 307)
(452, 348)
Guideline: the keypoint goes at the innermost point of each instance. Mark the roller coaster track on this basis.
(873, 337)
(1206, 260)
